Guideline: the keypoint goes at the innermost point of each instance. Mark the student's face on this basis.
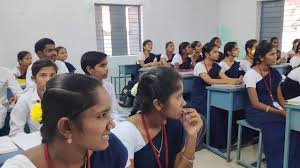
(48, 53)
(62, 54)
(96, 123)
(26, 61)
(218, 43)
(43, 76)
(275, 43)
(100, 71)
(213, 54)
(270, 57)
(235, 51)
(198, 48)
(148, 46)
(188, 50)
(175, 104)
(170, 48)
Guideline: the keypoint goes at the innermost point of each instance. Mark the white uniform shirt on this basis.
(295, 61)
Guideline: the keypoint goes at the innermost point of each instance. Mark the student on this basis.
(182, 60)
(24, 60)
(295, 60)
(62, 55)
(275, 43)
(44, 48)
(228, 65)
(7, 81)
(42, 71)
(250, 48)
(291, 84)
(265, 110)
(154, 137)
(94, 64)
(206, 73)
(292, 52)
(75, 121)
(217, 42)
(146, 58)
(166, 58)
(196, 56)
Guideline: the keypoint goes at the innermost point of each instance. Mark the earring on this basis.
(69, 140)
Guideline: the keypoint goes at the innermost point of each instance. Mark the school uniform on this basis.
(271, 125)
(183, 64)
(21, 113)
(233, 71)
(221, 56)
(295, 61)
(61, 68)
(245, 65)
(164, 56)
(291, 85)
(290, 53)
(199, 102)
(16, 71)
(70, 67)
(151, 58)
(142, 153)
(7, 81)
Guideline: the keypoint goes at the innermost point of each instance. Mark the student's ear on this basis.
(39, 54)
(64, 128)
(33, 78)
(157, 105)
(89, 69)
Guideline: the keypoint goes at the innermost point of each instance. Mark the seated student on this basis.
(208, 72)
(7, 81)
(146, 58)
(250, 48)
(275, 43)
(75, 121)
(42, 71)
(292, 52)
(265, 110)
(291, 84)
(166, 58)
(44, 48)
(94, 64)
(155, 137)
(24, 60)
(295, 60)
(217, 42)
(62, 55)
(228, 65)
(196, 56)
(182, 60)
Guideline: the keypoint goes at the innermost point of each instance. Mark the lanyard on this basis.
(152, 145)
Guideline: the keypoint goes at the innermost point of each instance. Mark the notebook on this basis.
(294, 101)
(7, 145)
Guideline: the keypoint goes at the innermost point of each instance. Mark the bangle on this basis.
(268, 108)
(189, 160)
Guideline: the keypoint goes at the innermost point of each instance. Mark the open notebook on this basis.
(294, 101)
(7, 145)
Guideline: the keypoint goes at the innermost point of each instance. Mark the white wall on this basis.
(71, 23)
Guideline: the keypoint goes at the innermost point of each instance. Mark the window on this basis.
(118, 29)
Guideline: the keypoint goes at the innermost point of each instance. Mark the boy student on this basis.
(94, 64)
(7, 81)
(42, 71)
(44, 48)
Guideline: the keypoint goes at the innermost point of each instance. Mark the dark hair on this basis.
(213, 40)
(207, 48)
(91, 58)
(229, 47)
(295, 42)
(194, 44)
(58, 48)
(168, 43)
(41, 44)
(154, 85)
(182, 46)
(297, 48)
(146, 42)
(273, 39)
(261, 51)
(249, 44)
(22, 54)
(41, 63)
(66, 95)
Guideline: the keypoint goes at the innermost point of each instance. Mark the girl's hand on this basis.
(191, 121)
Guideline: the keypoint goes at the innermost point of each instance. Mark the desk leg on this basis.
(287, 140)
(230, 111)
(119, 81)
(208, 119)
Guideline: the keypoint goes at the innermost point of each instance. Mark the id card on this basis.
(277, 105)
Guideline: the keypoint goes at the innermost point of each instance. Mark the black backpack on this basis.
(126, 99)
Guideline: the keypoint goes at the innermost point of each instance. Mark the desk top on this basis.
(291, 106)
(229, 88)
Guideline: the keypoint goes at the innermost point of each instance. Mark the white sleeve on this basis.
(16, 72)
(250, 79)
(199, 68)
(3, 112)
(244, 65)
(164, 56)
(18, 116)
(177, 59)
(140, 56)
(222, 65)
(295, 62)
(61, 67)
(13, 85)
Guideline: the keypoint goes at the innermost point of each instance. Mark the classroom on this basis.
(150, 84)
